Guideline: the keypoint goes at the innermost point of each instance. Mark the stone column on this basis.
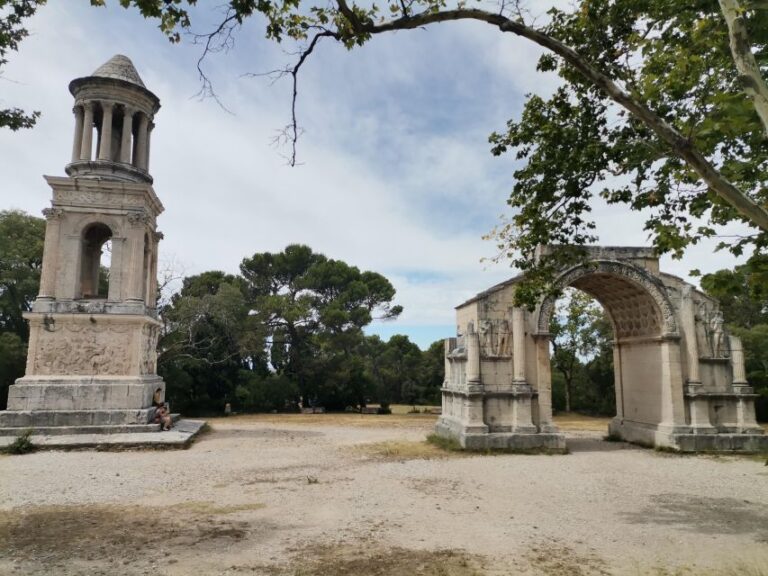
(141, 145)
(473, 359)
(116, 290)
(737, 362)
(672, 400)
(518, 345)
(136, 271)
(87, 145)
(544, 383)
(688, 328)
(618, 384)
(77, 144)
(50, 252)
(745, 401)
(70, 250)
(105, 147)
(149, 145)
(448, 345)
(152, 274)
(125, 142)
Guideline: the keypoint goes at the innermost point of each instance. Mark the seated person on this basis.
(162, 413)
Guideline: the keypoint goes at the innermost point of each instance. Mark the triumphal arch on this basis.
(679, 376)
(91, 364)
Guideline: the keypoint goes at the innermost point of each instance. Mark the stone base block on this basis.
(687, 439)
(52, 418)
(747, 443)
(42, 426)
(180, 436)
(78, 393)
(513, 441)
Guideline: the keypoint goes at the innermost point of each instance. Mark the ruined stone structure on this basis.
(679, 376)
(91, 360)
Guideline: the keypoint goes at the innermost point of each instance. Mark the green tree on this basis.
(21, 257)
(663, 108)
(743, 296)
(575, 337)
(742, 292)
(13, 13)
(598, 395)
(313, 309)
(432, 372)
(208, 342)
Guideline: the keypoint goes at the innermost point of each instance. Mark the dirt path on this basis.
(329, 495)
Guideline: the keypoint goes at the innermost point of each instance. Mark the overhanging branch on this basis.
(679, 144)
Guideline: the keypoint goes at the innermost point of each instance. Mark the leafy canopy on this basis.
(652, 112)
(13, 13)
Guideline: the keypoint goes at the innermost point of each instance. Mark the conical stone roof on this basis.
(119, 67)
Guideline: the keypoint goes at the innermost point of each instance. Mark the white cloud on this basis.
(397, 176)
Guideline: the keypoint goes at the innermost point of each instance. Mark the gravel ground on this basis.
(299, 496)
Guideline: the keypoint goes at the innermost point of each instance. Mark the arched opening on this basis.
(581, 352)
(95, 261)
(646, 357)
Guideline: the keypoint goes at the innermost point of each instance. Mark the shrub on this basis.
(22, 444)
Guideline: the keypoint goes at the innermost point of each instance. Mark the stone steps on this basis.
(48, 430)
(54, 418)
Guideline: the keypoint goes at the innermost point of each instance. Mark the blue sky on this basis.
(396, 175)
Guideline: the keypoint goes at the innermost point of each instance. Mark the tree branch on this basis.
(679, 144)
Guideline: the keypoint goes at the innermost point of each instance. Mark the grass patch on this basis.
(35, 536)
(362, 560)
(21, 445)
(452, 445)
(211, 508)
(578, 422)
(405, 450)
(448, 444)
(354, 419)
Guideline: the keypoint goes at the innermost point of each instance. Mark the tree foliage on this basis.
(21, 256)
(288, 331)
(582, 356)
(743, 296)
(663, 109)
(13, 14)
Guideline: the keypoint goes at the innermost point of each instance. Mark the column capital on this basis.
(138, 218)
(87, 105)
(52, 213)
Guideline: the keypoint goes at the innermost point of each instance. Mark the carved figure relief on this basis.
(487, 340)
(494, 338)
(502, 348)
(717, 335)
(83, 353)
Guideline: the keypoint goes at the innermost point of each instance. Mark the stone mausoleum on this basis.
(679, 376)
(91, 365)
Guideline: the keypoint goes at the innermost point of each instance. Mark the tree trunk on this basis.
(741, 50)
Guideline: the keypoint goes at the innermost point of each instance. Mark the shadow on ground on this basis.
(705, 515)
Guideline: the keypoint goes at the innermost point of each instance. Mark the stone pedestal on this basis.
(91, 364)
